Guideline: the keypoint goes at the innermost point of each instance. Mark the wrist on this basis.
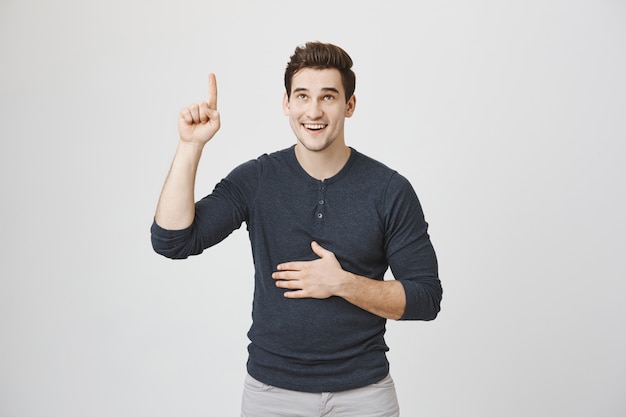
(189, 151)
(190, 146)
(346, 285)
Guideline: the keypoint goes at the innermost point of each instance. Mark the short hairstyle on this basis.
(320, 55)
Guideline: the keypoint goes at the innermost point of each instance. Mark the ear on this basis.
(286, 104)
(350, 106)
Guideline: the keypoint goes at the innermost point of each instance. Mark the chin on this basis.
(315, 145)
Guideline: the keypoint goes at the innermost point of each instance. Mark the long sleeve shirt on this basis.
(368, 215)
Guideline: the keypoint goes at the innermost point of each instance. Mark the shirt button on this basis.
(320, 215)
(321, 201)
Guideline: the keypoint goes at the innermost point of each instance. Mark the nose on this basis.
(314, 110)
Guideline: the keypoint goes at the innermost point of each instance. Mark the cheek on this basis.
(339, 114)
(293, 121)
(294, 112)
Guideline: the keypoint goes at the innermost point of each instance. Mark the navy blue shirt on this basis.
(367, 215)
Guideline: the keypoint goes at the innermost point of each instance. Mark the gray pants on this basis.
(376, 400)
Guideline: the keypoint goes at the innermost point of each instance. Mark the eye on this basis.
(301, 96)
(329, 97)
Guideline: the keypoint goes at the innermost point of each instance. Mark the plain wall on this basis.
(509, 118)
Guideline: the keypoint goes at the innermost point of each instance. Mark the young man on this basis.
(325, 223)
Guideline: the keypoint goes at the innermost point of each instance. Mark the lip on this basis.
(314, 127)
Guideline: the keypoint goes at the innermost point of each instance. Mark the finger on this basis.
(290, 266)
(185, 114)
(295, 294)
(319, 250)
(288, 285)
(195, 113)
(285, 275)
(212, 92)
(204, 112)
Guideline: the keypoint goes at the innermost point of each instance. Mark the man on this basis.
(325, 222)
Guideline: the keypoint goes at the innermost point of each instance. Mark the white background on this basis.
(509, 118)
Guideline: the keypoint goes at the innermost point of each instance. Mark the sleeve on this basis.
(410, 253)
(216, 216)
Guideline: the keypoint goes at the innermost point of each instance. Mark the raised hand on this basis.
(198, 123)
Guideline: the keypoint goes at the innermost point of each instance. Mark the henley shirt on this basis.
(368, 215)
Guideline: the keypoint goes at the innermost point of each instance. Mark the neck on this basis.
(322, 164)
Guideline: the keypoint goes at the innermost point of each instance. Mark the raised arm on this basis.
(197, 124)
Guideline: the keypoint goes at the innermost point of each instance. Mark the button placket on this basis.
(321, 200)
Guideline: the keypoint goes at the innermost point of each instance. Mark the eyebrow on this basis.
(331, 89)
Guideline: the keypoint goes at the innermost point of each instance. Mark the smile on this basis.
(314, 126)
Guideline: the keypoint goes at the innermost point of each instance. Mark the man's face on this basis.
(317, 108)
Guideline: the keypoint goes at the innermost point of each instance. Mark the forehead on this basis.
(314, 79)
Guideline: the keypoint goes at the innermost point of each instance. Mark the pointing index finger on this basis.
(212, 92)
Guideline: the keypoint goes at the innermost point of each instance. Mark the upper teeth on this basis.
(314, 126)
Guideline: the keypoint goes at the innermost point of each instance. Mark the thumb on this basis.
(319, 250)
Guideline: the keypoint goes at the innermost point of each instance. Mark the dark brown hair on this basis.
(319, 55)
